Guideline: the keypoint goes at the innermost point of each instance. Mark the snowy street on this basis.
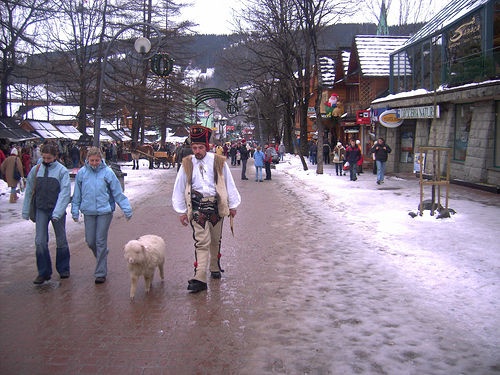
(323, 276)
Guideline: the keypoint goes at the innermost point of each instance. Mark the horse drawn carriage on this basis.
(157, 159)
(163, 159)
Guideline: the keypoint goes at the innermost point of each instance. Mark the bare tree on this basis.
(404, 11)
(282, 46)
(19, 21)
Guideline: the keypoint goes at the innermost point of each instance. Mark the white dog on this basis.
(143, 256)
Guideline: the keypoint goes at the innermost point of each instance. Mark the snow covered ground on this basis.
(419, 283)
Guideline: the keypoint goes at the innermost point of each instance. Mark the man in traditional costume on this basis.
(204, 193)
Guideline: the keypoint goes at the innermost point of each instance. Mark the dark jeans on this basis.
(353, 171)
(268, 170)
(339, 168)
(243, 168)
(43, 260)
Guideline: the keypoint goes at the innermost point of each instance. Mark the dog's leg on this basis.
(133, 285)
(148, 280)
(160, 267)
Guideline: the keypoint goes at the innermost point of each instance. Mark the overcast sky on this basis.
(215, 16)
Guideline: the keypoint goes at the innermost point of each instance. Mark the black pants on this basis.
(243, 168)
(268, 170)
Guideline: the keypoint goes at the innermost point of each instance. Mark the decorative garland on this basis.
(162, 64)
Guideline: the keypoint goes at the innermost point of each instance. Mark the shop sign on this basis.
(363, 117)
(390, 119)
(418, 112)
(311, 112)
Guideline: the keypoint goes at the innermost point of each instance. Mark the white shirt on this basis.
(203, 181)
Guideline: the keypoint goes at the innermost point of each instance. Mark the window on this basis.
(463, 118)
(496, 162)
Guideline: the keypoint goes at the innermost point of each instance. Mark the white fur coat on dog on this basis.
(143, 256)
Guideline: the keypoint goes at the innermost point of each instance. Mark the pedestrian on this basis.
(183, 151)
(381, 152)
(258, 160)
(97, 189)
(232, 154)
(326, 153)
(339, 158)
(35, 155)
(75, 155)
(313, 152)
(12, 172)
(26, 160)
(49, 184)
(244, 158)
(281, 151)
(352, 155)
(268, 160)
(361, 159)
(2, 159)
(204, 194)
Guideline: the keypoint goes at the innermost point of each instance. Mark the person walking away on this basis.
(204, 194)
(183, 152)
(339, 158)
(268, 160)
(314, 152)
(244, 158)
(97, 191)
(361, 159)
(281, 151)
(381, 153)
(35, 155)
(26, 160)
(12, 172)
(232, 154)
(352, 155)
(326, 153)
(49, 184)
(258, 160)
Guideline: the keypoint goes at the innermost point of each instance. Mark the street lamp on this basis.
(142, 45)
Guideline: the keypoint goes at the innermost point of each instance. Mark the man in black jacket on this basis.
(381, 151)
(244, 157)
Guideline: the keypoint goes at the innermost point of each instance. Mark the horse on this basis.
(141, 152)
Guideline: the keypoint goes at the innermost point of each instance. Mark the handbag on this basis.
(32, 213)
(17, 175)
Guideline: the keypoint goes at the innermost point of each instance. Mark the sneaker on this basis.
(215, 275)
(100, 280)
(64, 275)
(41, 279)
(195, 286)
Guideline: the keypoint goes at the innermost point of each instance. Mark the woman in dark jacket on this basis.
(352, 155)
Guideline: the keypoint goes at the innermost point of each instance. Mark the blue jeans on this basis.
(380, 170)
(96, 236)
(353, 171)
(258, 173)
(43, 261)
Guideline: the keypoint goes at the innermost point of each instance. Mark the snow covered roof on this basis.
(43, 128)
(327, 71)
(452, 12)
(103, 135)
(54, 113)
(373, 53)
(69, 132)
(346, 56)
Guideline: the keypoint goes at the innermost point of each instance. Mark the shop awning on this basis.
(10, 130)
